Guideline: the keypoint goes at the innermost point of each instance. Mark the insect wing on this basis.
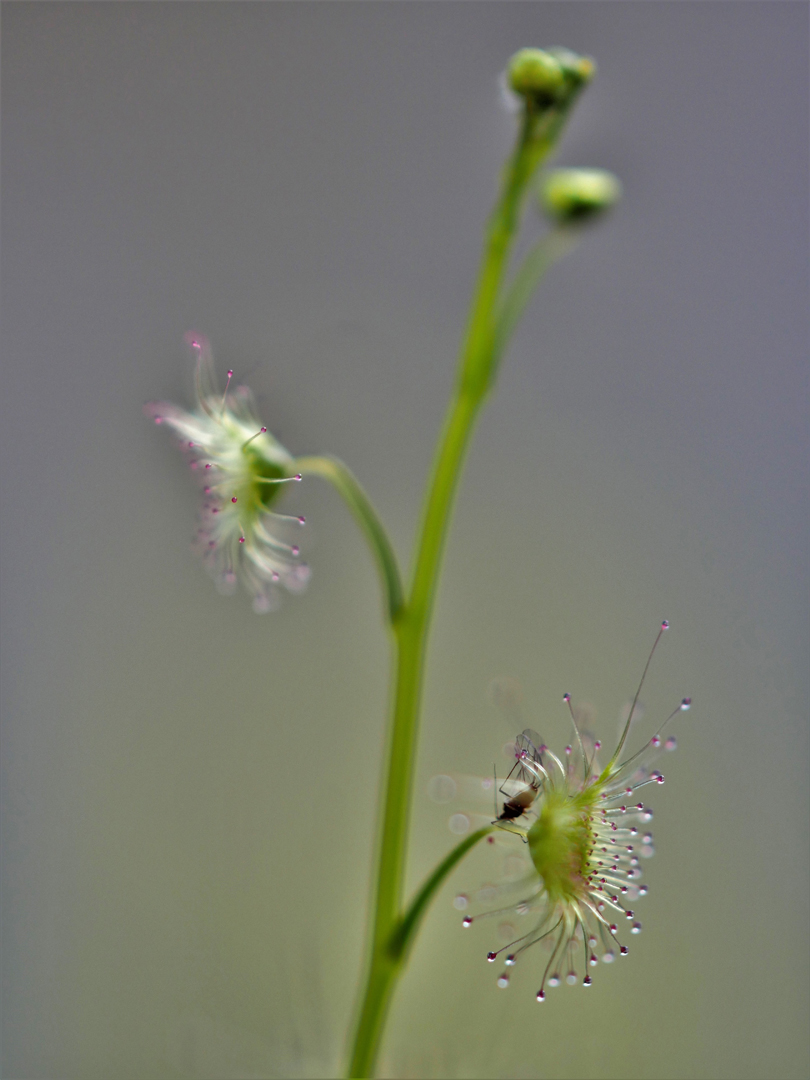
(527, 770)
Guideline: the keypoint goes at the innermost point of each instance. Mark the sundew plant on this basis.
(578, 819)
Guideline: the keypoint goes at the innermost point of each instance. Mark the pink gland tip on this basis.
(665, 625)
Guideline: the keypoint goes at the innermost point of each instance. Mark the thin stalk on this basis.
(340, 475)
(411, 628)
(483, 343)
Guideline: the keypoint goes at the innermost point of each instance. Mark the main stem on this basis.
(411, 626)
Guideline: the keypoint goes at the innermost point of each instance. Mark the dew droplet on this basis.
(491, 956)
(671, 743)
(275, 576)
(298, 476)
(459, 824)
(230, 373)
(503, 981)
(461, 901)
(593, 961)
(540, 996)
(554, 980)
(623, 951)
(466, 921)
(643, 890)
(566, 698)
(635, 928)
(597, 745)
(665, 625)
(295, 549)
(571, 978)
(609, 957)
(568, 749)
(301, 519)
(686, 704)
(587, 981)
(510, 960)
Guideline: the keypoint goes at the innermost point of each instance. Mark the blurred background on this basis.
(189, 788)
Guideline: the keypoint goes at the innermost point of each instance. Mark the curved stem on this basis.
(475, 379)
(337, 473)
(390, 960)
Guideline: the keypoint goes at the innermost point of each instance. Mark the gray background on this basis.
(189, 789)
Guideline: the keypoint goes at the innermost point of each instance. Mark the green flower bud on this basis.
(574, 195)
(579, 70)
(536, 76)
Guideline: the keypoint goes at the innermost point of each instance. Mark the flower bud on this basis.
(536, 76)
(575, 195)
(578, 70)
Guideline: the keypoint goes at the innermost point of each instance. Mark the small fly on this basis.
(522, 785)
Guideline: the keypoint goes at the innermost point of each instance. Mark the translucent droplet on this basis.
(540, 996)
(461, 901)
(609, 957)
(554, 980)
(647, 851)
(295, 549)
(665, 625)
(466, 921)
(643, 890)
(510, 960)
(587, 981)
(686, 704)
(635, 928)
(442, 788)
(593, 960)
(492, 956)
(503, 981)
(571, 978)
(671, 743)
(623, 951)
(302, 520)
(459, 824)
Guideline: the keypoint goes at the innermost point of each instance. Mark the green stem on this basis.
(391, 957)
(332, 469)
(411, 627)
(404, 934)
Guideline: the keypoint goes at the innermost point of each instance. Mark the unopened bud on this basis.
(536, 76)
(574, 195)
(578, 70)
